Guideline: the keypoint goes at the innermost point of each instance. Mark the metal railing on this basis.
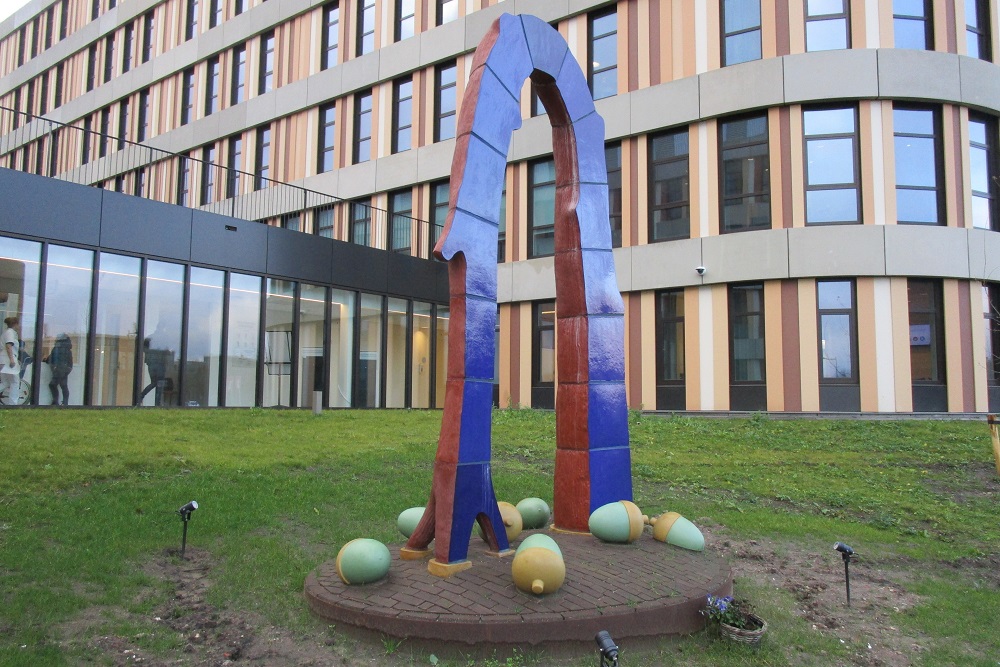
(38, 145)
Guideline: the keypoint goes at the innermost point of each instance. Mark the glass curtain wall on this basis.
(342, 305)
(115, 330)
(420, 368)
(161, 343)
(395, 353)
(242, 342)
(312, 371)
(66, 321)
(204, 339)
(369, 381)
(441, 354)
(279, 314)
(20, 263)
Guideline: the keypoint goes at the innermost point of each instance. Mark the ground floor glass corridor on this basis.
(146, 332)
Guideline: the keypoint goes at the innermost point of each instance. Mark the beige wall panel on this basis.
(644, 41)
(917, 250)
(665, 105)
(825, 75)
(750, 85)
(808, 346)
(867, 351)
(648, 338)
(720, 345)
(752, 255)
(861, 37)
(641, 183)
(837, 250)
(774, 359)
(692, 348)
(683, 39)
(506, 341)
(867, 150)
(901, 342)
(524, 349)
(979, 379)
(954, 209)
(710, 36)
(796, 26)
(797, 182)
(703, 182)
(953, 345)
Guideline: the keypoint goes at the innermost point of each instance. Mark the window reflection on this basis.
(115, 332)
(19, 275)
(279, 312)
(204, 341)
(368, 388)
(312, 312)
(242, 345)
(161, 344)
(341, 347)
(65, 321)
(395, 354)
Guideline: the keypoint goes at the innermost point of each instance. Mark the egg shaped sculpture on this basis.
(408, 520)
(619, 522)
(512, 522)
(363, 561)
(672, 528)
(538, 565)
(534, 512)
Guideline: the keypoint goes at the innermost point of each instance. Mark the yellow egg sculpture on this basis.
(512, 522)
(620, 522)
(408, 520)
(538, 565)
(672, 528)
(362, 561)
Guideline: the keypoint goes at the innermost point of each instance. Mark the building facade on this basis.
(804, 196)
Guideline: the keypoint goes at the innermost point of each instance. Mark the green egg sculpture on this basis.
(363, 561)
(408, 520)
(619, 522)
(672, 528)
(534, 512)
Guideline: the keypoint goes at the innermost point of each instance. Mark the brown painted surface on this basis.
(785, 157)
(783, 44)
(635, 357)
(632, 182)
(957, 178)
(655, 47)
(790, 338)
(632, 12)
(950, 24)
(515, 355)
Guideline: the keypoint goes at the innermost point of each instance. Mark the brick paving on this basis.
(640, 589)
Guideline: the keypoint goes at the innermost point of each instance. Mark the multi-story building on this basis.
(804, 196)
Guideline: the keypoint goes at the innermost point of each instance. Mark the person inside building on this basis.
(10, 369)
(60, 361)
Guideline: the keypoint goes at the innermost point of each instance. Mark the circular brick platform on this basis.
(640, 589)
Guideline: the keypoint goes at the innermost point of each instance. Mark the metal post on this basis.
(847, 576)
(184, 537)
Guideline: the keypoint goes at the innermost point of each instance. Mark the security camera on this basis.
(844, 549)
(185, 511)
(700, 270)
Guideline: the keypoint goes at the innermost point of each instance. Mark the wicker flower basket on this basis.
(741, 636)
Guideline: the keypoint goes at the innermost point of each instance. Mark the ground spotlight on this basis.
(847, 553)
(185, 513)
(607, 649)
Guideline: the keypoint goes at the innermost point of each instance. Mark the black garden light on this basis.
(607, 649)
(185, 513)
(847, 553)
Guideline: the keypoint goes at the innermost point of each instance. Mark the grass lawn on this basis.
(88, 500)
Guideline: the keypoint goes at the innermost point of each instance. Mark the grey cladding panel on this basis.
(828, 75)
(751, 85)
(910, 74)
(71, 213)
(417, 278)
(358, 267)
(297, 255)
(133, 224)
(238, 244)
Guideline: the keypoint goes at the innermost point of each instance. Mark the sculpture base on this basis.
(654, 589)
(445, 570)
(407, 553)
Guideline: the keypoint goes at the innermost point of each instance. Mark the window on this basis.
(991, 316)
(291, 221)
(362, 127)
(740, 31)
(102, 147)
(63, 16)
(613, 160)
(34, 37)
(187, 96)
(29, 99)
(361, 219)
(366, 27)
(183, 180)
(746, 333)
(544, 345)
(109, 58)
(91, 67)
(21, 46)
(265, 79)
(838, 331)
(926, 331)
(977, 29)
(405, 19)
(827, 25)
(212, 86)
(142, 125)
(147, 36)
(191, 22)
(50, 17)
(324, 222)
(745, 171)
(541, 208)
(239, 6)
(88, 137)
(234, 160)
(262, 160)
(327, 138)
(447, 11)
(57, 94)
(43, 94)
(445, 101)
(831, 155)
(207, 174)
(918, 176)
(912, 24)
(983, 171)
(127, 47)
(215, 13)
(402, 114)
(331, 35)
(122, 123)
(237, 92)
(139, 184)
(439, 212)
(602, 71)
(670, 337)
(95, 9)
(400, 212)
(669, 188)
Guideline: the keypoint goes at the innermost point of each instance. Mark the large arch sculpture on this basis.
(592, 464)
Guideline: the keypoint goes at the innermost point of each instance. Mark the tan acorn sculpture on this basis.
(363, 561)
(512, 522)
(535, 513)
(538, 565)
(672, 528)
(621, 522)
(408, 520)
